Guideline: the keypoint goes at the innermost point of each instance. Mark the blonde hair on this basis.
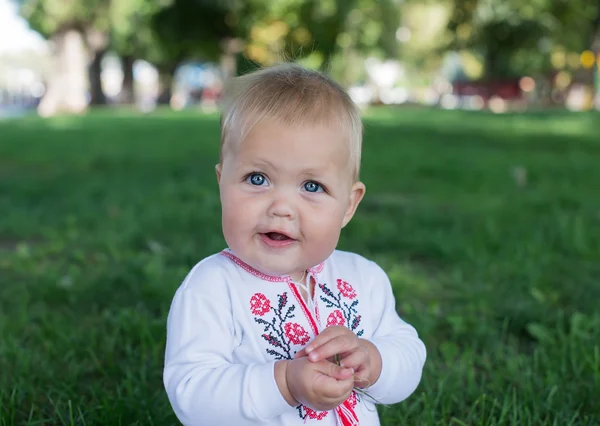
(291, 95)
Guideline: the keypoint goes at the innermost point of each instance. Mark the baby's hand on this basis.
(358, 354)
(319, 385)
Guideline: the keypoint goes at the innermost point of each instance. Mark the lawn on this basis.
(488, 226)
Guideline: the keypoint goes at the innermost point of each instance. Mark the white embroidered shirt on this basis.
(229, 323)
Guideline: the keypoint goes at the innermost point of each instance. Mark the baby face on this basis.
(286, 192)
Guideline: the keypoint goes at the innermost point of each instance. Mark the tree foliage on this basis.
(49, 17)
(510, 37)
(192, 28)
(514, 37)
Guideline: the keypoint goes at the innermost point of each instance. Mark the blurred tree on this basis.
(317, 31)
(79, 31)
(578, 23)
(129, 32)
(164, 33)
(98, 44)
(188, 30)
(326, 21)
(515, 37)
(265, 31)
(133, 37)
(270, 31)
(498, 31)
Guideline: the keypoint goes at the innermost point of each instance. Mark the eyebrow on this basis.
(259, 163)
(316, 173)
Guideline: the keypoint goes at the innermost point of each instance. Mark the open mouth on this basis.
(277, 236)
(277, 239)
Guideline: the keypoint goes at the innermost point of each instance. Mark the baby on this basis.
(281, 328)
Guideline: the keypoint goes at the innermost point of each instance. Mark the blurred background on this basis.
(470, 54)
(481, 159)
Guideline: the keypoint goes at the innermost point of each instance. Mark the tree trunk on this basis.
(127, 95)
(166, 77)
(97, 44)
(66, 90)
(97, 96)
(165, 81)
(490, 64)
(595, 33)
(230, 47)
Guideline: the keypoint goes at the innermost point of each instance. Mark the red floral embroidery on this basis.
(335, 318)
(274, 332)
(280, 334)
(315, 415)
(346, 289)
(259, 304)
(296, 333)
(347, 309)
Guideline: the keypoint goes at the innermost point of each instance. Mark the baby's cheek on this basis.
(328, 232)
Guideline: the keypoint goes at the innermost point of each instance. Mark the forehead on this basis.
(296, 147)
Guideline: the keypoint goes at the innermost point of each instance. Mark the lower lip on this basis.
(276, 243)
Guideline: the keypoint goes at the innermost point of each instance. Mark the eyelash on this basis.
(248, 178)
(323, 189)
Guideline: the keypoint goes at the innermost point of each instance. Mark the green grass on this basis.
(103, 215)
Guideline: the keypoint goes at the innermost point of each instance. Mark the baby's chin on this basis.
(268, 268)
(273, 267)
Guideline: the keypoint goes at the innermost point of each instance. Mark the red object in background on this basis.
(211, 94)
(506, 89)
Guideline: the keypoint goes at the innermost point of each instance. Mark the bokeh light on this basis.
(527, 84)
(563, 80)
(588, 59)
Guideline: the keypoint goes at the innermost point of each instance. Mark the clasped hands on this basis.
(314, 379)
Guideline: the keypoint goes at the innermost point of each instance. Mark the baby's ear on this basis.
(357, 194)
(218, 169)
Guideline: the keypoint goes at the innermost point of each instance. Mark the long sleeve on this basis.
(204, 385)
(402, 352)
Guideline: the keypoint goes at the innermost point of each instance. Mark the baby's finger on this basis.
(338, 345)
(325, 336)
(300, 353)
(335, 371)
(336, 389)
(355, 359)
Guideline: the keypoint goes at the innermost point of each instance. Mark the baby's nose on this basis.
(282, 206)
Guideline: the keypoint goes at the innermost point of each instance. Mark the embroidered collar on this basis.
(272, 278)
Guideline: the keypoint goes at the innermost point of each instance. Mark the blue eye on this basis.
(312, 186)
(256, 179)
